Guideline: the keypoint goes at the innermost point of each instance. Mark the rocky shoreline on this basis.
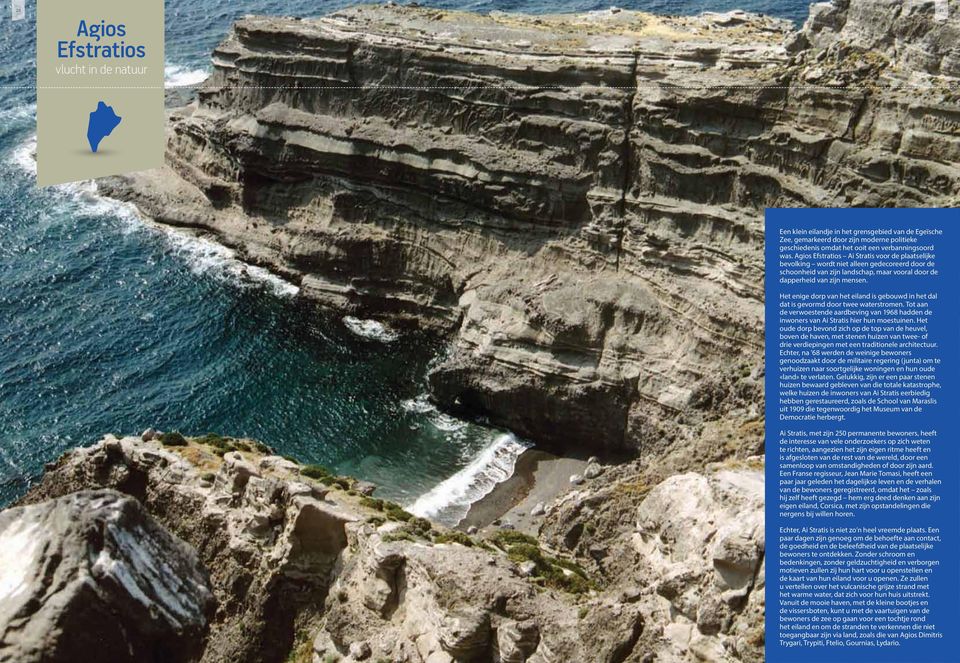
(221, 551)
(576, 203)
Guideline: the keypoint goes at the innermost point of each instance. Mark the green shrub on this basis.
(569, 565)
(396, 512)
(526, 552)
(507, 537)
(454, 536)
(553, 570)
(398, 535)
(222, 444)
(173, 439)
(372, 503)
(573, 584)
(214, 440)
(421, 525)
(315, 472)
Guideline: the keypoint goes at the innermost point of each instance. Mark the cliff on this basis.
(214, 549)
(577, 201)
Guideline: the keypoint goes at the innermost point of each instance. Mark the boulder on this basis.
(93, 572)
(592, 471)
(527, 568)
(236, 472)
(359, 651)
(365, 488)
(465, 634)
(516, 641)
(279, 463)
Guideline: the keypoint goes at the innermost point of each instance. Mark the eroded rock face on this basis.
(509, 180)
(295, 568)
(269, 540)
(302, 571)
(415, 603)
(701, 539)
(686, 551)
(94, 572)
(918, 36)
(577, 200)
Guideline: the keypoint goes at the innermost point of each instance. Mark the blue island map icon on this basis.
(102, 123)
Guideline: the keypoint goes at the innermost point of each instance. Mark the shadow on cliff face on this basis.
(531, 411)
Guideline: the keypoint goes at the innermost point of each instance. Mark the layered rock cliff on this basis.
(577, 201)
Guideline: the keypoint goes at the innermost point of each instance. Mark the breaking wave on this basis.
(449, 501)
(442, 422)
(176, 76)
(371, 329)
(205, 257)
(202, 256)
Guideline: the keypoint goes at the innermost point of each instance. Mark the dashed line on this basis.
(467, 88)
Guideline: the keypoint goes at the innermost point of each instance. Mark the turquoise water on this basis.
(110, 324)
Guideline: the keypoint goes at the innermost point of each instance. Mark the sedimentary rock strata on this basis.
(576, 200)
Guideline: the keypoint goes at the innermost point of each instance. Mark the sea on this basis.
(112, 324)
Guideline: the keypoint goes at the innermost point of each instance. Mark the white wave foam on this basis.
(24, 156)
(446, 423)
(205, 257)
(15, 113)
(443, 422)
(419, 405)
(176, 76)
(450, 500)
(202, 256)
(376, 331)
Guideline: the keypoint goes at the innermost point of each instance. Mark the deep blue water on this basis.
(108, 324)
